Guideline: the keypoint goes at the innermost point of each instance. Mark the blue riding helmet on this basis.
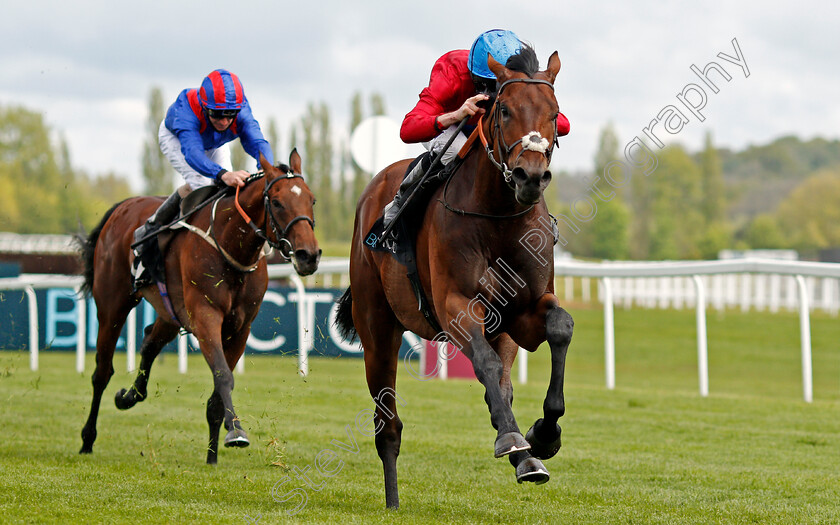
(500, 43)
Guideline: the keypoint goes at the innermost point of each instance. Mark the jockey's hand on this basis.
(235, 178)
(468, 109)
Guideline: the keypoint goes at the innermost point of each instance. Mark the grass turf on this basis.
(651, 451)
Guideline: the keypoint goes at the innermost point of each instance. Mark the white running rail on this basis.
(610, 272)
(763, 273)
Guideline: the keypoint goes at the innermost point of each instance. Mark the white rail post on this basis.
(33, 328)
(81, 332)
(182, 353)
(304, 330)
(609, 334)
(442, 361)
(702, 349)
(131, 341)
(805, 337)
(523, 366)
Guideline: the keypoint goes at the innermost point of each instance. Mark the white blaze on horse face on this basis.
(296, 190)
(534, 141)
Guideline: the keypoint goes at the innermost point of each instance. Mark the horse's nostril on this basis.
(306, 256)
(519, 174)
(546, 176)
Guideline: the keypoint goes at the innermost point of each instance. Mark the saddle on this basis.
(153, 256)
(408, 224)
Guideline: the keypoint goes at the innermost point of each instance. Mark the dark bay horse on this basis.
(216, 282)
(485, 260)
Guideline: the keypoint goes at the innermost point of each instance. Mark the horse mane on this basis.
(87, 247)
(525, 61)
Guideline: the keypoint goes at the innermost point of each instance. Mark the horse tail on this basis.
(87, 248)
(344, 316)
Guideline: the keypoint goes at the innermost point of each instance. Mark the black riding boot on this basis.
(164, 215)
(392, 208)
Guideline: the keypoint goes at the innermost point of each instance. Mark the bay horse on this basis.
(489, 282)
(215, 280)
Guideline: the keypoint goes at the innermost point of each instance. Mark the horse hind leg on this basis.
(101, 376)
(157, 335)
(111, 321)
(381, 337)
(544, 434)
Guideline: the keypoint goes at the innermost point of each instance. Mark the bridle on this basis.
(498, 136)
(501, 164)
(281, 234)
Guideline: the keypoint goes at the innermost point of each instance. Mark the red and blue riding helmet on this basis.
(221, 91)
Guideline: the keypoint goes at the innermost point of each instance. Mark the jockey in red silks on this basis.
(460, 83)
(194, 137)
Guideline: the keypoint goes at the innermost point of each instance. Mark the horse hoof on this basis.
(121, 401)
(531, 470)
(510, 443)
(543, 449)
(237, 438)
(86, 449)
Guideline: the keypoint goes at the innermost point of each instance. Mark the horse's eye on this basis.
(276, 204)
(503, 110)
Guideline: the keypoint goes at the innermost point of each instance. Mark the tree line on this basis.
(40, 191)
(780, 195)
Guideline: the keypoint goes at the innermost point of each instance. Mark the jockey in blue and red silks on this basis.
(194, 137)
(459, 83)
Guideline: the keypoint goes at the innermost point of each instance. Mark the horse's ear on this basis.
(553, 67)
(295, 162)
(266, 166)
(502, 73)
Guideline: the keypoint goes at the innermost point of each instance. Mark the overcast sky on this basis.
(89, 65)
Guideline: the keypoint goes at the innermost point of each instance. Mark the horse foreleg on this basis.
(220, 403)
(507, 349)
(236, 436)
(544, 435)
(488, 368)
(215, 416)
(157, 335)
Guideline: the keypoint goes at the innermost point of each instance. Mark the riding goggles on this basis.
(222, 113)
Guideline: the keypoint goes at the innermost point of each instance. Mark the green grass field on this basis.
(651, 451)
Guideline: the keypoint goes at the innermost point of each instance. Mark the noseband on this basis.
(282, 243)
(535, 141)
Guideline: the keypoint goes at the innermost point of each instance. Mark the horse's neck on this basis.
(480, 187)
(232, 232)
(483, 188)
